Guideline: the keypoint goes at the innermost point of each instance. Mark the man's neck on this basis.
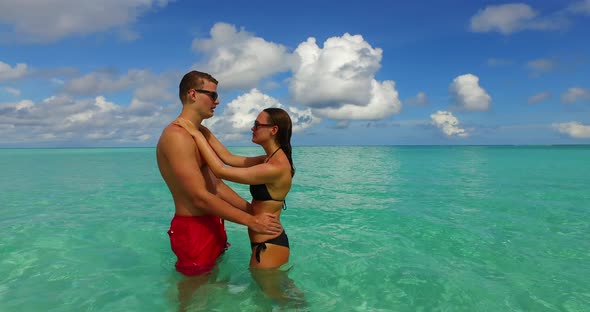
(192, 117)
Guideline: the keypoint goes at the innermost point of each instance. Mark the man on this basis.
(202, 201)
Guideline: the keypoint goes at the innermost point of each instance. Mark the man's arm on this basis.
(181, 153)
(229, 195)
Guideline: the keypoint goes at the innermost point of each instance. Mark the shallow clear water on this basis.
(389, 228)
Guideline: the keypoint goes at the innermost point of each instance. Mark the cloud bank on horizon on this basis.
(342, 85)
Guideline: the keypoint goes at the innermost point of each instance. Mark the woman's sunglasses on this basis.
(257, 124)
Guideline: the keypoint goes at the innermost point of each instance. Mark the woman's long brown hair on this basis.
(281, 118)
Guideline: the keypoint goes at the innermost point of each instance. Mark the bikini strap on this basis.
(271, 155)
(259, 247)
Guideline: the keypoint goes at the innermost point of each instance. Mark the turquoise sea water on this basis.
(441, 228)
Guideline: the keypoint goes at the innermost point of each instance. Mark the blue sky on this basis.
(106, 73)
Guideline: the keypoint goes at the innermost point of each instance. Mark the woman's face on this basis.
(262, 128)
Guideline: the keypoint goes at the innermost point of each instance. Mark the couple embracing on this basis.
(193, 163)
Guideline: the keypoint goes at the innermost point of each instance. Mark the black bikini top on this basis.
(260, 191)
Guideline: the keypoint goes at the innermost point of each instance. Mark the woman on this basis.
(269, 176)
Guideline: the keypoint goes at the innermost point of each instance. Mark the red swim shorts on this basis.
(197, 242)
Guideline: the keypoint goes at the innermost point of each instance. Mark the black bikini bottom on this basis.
(281, 240)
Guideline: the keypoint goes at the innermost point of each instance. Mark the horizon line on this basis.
(329, 145)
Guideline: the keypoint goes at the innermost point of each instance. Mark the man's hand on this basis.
(266, 223)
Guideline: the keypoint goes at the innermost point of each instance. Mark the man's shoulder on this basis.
(173, 135)
(174, 131)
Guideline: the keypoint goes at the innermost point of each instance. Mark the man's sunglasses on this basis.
(211, 94)
(257, 124)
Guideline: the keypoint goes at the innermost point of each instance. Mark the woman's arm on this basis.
(257, 174)
(226, 156)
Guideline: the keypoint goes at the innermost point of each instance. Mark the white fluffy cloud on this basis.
(337, 81)
(47, 21)
(448, 124)
(468, 95)
(506, 18)
(8, 72)
(575, 94)
(383, 101)
(238, 59)
(573, 129)
(104, 82)
(69, 119)
(513, 17)
(239, 115)
(63, 119)
(149, 89)
(539, 97)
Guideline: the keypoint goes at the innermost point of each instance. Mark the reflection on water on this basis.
(351, 177)
(280, 288)
(370, 228)
(267, 290)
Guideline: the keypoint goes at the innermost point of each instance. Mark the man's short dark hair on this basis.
(193, 80)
